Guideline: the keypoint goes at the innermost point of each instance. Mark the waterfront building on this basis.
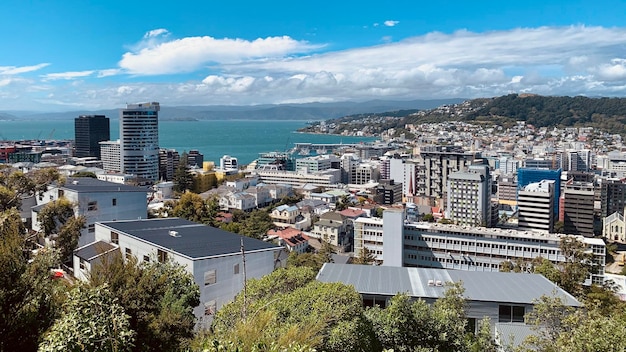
(535, 202)
(89, 131)
(276, 161)
(325, 179)
(395, 242)
(168, 162)
(111, 156)
(314, 163)
(195, 159)
(228, 162)
(139, 141)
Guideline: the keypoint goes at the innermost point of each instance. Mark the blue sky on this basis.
(70, 54)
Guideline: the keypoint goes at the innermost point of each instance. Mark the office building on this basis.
(168, 162)
(195, 159)
(111, 156)
(577, 210)
(469, 196)
(89, 131)
(139, 141)
(612, 196)
(228, 162)
(388, 192)
(526, 176)
(535, 202)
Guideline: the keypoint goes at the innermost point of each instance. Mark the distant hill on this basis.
(308, 111)
(605, 114)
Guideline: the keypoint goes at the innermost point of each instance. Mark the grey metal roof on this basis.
(93, 250)
(194, 240)
(92, 185)
(479, 285)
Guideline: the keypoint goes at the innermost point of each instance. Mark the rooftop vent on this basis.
(75, 182)
(431, 282)
(174, 233)
(438, 283)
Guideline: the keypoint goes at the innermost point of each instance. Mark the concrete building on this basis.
(365, 173)
(195, 159)
(313, 163)
(612, 196)
(168, 162)
(96, 200)
(578, 201)
(111, 156)
(211, 255)
(89, 131)
(325, 179)
(535, 206)
(139, 141)
(228, 162)
(388, 192)
(469, 196)
(395, 242)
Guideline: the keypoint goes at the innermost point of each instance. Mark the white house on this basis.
(96, 200)
(237, 200)
(211, 255)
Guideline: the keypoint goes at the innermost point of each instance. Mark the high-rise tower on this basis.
(139, 141)
(89, 131)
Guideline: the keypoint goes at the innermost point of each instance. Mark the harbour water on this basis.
(243, 139)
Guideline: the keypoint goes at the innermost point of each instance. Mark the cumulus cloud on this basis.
(390, 23)
(546, 60)
(191, 53)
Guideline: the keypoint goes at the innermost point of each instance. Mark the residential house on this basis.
(237, 200)
(331, 228)
(290, 216)
(213, 256)
(292, 239)
(96, 200)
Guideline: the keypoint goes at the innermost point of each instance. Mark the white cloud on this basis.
(546, 60)
(67, 75)
(155, 33)
(390, 23)
(15, 70)
(191, 53)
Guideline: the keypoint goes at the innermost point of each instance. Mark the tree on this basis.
(183, 179)
(92, 320)
(85, 174)
(309, 260)
(58, 221)
(192, 207)
(429, 218)
(158, 297)
(29, 299)
(365, 257)
(326, 252)
(559, 227)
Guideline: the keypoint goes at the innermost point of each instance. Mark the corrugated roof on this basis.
(193, 240)
(479, 285)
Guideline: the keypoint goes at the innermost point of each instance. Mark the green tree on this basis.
(29, 299)
(183, 179)
(58, 222)
(365, 257)
(192, 207)
(296, 309)
(158, 297)
(85, 174)
(309, 260)
(92, 320)
(429, 218)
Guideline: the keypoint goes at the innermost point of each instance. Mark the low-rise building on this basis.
(213, 256)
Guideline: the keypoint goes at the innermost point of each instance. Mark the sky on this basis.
(89, 55)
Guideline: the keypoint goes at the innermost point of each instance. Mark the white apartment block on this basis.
(326, 179)
(211, 255)
(111, 156)
(399, 243)
(535, 204)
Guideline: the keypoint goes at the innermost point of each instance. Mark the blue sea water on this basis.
(243, 139)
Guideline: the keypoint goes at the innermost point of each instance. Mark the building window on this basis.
(146, 259)
(114, 202)
(82, 264)
(115, 237)
(210, 307)
(508, 314)
(129, 253)
(210, 277)
(61, 193)
(91, 228)
(92, 206)
(162, 256)
(236, 269)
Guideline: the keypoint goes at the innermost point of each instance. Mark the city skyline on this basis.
(75, 55)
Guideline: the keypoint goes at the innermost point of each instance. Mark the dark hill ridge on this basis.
(308, 111)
